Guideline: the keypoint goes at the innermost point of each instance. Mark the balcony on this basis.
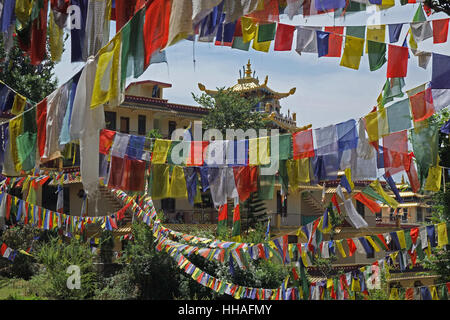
(402, 221)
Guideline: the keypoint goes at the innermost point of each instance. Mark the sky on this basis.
(326, 92)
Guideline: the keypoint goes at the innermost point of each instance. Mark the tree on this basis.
(33, 82)
(439, 5)
(230, 110)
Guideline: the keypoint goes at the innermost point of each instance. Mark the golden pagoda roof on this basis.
(248, 84)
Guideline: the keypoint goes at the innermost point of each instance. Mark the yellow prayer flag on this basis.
(379, 189)
(160, 181)
(160, 151)
(23, 10)
(442, 234)
(56, 42)
(348, 175)
(353, 51)
(178, 183)
(375, 33)
(304, 258)
(433, 182)
(434, 294)
(383, 124)
(394, 294)
(372, 243)
(329, 283)
(258, 151)
(412, 41)
(303, 172)
(341, 248)
(107, 78)
(401, 239)
(260, 46)
(248, 29)
(387, 3)
(19, 104)
(15, 130)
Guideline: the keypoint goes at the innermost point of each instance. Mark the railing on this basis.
(393, 220)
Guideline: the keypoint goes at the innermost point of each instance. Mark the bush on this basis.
(19, 238)
(55, 257)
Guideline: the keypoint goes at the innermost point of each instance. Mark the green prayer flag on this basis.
(238, 43)
(26, 150)
(419, 16)
(125, 63)
(399, 116)
(356, 31)
(371, 193)
(393, 89)
(283, 175)
(137, 49)
(354, 6)
(408, 239)
(377, 55)
(285, 146)
(266, 187)
(266, 32)
(425, 144)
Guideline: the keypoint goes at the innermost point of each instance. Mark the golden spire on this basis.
(248, 72)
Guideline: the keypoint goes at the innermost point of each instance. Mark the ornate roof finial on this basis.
(248, 72)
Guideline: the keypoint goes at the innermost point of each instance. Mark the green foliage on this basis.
(147, 274)
(230, 110)
(106, 246)
(19, 238)
(33, 82)
(56, 256)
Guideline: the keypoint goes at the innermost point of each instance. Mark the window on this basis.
(419, 214)
(405, 214)
(172, 127)
(124, 124)
(168, 205)
(110, 119)
(142, 125)
(156, 92)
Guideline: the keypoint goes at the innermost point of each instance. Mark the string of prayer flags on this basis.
(379, 189)
(353, 50)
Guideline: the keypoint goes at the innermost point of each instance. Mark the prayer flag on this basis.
(160, 151)
(375, 33)
(223, 216)
(335, 41)
(440, 30)
(379, 189)
(303, 144)
(377, 54)
(399, 116)
(107, 78)
(322, 43)
(397, 66)
(394, 32)
(266, 32)
(353, 51)
(156, 28)
(306, 40)
(178, 183)
(248, 29)
(258, 45)
(422, 105)
(284, 37)
(433, 182)
(372, 205)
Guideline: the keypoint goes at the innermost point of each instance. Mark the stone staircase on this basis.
(315, 204)
(114, 203)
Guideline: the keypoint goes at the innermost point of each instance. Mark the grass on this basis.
(15, 289)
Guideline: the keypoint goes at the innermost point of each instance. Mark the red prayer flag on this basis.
(3, 248)
(335, 202)
(39, 36)
(397, 61)
(41, 115)
(238, 29)
(106, 140)
(197, 153)
(269, 12)
(440, 30)
(303, 145)
(116, 172)
(223, 213)
(133, 176)
(246, 179)
(412, 174)
(294, 272)
(284, 37)
(380, 236)
(395, 154)
(334, 41)
(422, 105)
(409, 294)
(156, 27)
(351, 246)
(124, 12)
(414, 233)
(372, 205)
